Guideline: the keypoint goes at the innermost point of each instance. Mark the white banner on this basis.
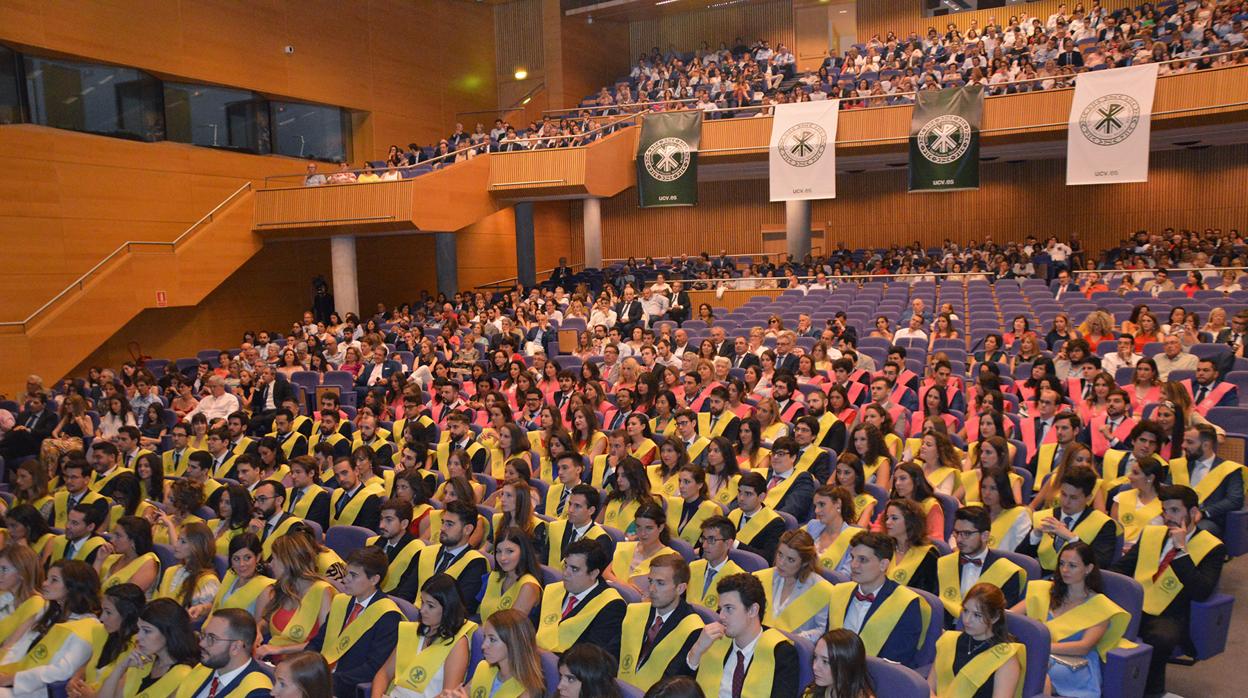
(1107, 140)
(803, 151)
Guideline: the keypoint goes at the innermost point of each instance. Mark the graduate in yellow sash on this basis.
(664, 473)
(1218, 483)
(399, 546)
(119, 613)
(848, 473)
(981, 660)
(435, 649)
(225, 644)
(691, 506)
(21, 577)
(193, 581)
(718, 538)
(1139, 506)
(1177, 563)
(891, 619)
(722, 472)
(243, 587)
(66, 637)
(1073, 519)
(515, 581)
(582, 608)
(510, 666)
(81, 540)
(301, 597)
(972, 562)
(839, 667)
(362, 627)
(582, 505)
(132, 560)
(758, 526)
(1011, 521)
(76, 474)
(631, 562)
(657, 634)
(797, 595)
(164, 652)
(738, 655)
(632, 489)
(1083, 622)
(831, 529)
(914, 563)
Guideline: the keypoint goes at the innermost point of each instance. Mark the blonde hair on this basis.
(518, 636)
(30, 572)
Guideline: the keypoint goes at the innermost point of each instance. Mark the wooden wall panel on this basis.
(873, 209)
(394, 269)
(772, 21)
(904, 16)
(518, 36)
(594, 56)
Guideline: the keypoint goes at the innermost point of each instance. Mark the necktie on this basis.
(177, 458)
(212, 689)
(738, 675)
(567, 609)
(775, 480)
(653, 633)
(356, 607)
(70, 548)
(342, 503)
(1200, 394)
(563, 501)
(710, 576)
(294, 499)
(1234, 339)
(30, 423)
(268, 529)
(1087, 390)
(1044, 428)
(444, 559)
(1069, 522)
(962, 559)
(859, 596)
(1165, 563)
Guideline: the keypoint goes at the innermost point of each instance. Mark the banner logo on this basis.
(803, 144)
(667, 159)
(944, 139)
(1110, 120)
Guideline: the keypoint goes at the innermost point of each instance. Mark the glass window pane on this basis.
(95, 98)
(10, 96)
(217, 117)
(310, 131)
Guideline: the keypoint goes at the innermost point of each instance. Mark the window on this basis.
(217, 117)
(10, 92)
(94, 98)
(310, 131)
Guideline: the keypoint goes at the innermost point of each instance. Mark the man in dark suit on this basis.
(1064, 287)
(832, 432)
(358, 661)
(854, 604)
(975, 561)
(1073, 519)
(377, 371)
(452, 556)
(628, 313)
(561, 273)
(742, 357)
(742, 605)
(269, 519)
(353, 503)
(758, 527)
(681, 305)
(1070, 56)
(1208, 391)
(1178, 564)
(225, 644)
(30, 427)
(723, 347)
(1235, 335)
(788, 490)
(576, 596)
(657, 634)
(810, 455)
(272, 389)
(397, 543)
(1202, 468)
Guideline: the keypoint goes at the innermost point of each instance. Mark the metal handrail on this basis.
(519, 106)
(375, 171)
(124, 247)
(511, 280)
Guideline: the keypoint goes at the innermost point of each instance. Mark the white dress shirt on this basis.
(971, 573)
(223, 680)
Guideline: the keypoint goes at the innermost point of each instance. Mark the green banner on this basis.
(667, 159)
(944, 139)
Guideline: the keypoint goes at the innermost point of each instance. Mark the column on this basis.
(797, 228)
(526, 251)
(446, 260)
(346, 282)
(591, 215)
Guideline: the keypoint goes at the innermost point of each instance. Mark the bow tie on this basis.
(962, 559)
(859, 596)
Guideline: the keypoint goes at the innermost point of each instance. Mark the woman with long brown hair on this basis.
(983, 634)
(300, 601)
(510, 664)
(193, 581)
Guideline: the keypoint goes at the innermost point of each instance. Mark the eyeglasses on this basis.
(964, 534)
(709, 539)
(210, 639)
(264, 498)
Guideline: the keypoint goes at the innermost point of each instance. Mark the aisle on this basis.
(1222, 675)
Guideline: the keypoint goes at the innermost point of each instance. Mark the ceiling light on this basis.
(521, 73)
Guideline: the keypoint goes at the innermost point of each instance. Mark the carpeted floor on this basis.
(1224, 675)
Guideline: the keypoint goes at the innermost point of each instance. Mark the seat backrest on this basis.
(1029, 564)
(927, 654)
(805, 658)
(895, 680)
(748, 561)
(550, 669)
(1127, 593)
(1035, 637)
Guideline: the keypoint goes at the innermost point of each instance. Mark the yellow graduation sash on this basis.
(496, 598)
(970, 482)
(427, 561)
(833, 554)
(879, 625)
(727, 494)
(103, 673)
(243, 597)
(1134, 517)
(28, 610)
(288, 445)
(776, 494)
(339, 639)
(165, 589)
(242, 445)
(659, 486)
(89, 630)
(394, 573)
(800, 609)
(759, 675)
(619, 514)
(950, 579)
(60, 506)
(704, 424)
(692, 530)
(299, 629)
(304, 505)
(1086, 531)
(416, 664)
(88, 546)
(353, 507)
(1044, 463)
(224, 469)
(163, 687)
(697, 580)
(1180, 474)
(939, 475)
(1003, 523)
(178, 469)
(113, 577)
(1158, 594)
(483, 683)
(557, 634)
(862, 502)
(98, 483)
(977, 671)
(902, 570)
(443, 454)
(553, 493)
(753, 527)
(644, 450)
(197, 677)
(634, 631)
(318, 436)
(871, 469)
(598, 471)
(807, 458)
(1097, 609)
(266, 546)
(554, 538)
(622, 562)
